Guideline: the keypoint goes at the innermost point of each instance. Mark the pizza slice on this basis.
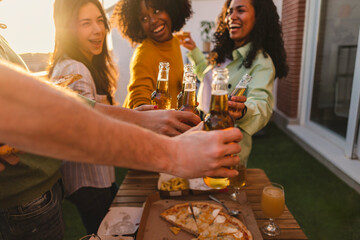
(227, 228)
(66, 80)
(181, 216)
(205, 213)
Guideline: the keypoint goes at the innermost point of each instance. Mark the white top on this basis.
(77, 175)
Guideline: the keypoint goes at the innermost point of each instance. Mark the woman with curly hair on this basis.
(150, 23)
(80, 48)
(248, 39)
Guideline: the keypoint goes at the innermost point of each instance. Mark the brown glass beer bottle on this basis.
(189, 95)
(188, 69)
(161, 96)
(219, 117)
(241, 86)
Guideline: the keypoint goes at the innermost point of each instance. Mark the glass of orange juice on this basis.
(272, 205)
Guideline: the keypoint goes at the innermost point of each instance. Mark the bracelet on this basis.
(243, 112)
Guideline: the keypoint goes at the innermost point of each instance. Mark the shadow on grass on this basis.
(324, 206)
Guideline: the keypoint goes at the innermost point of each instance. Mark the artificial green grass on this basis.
(74, 228)
(324, 206)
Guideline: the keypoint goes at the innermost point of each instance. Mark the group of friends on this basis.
(87, 129)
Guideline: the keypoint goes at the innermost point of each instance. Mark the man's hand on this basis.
(169, 122)
(236, 106)
(198, 154)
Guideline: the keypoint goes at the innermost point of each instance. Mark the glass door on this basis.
(334, 68)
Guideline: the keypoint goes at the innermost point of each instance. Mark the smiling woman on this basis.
(152, 29)
(31, 29)
(80, 48)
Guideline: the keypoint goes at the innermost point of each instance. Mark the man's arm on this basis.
(167, 122)
(40, 119)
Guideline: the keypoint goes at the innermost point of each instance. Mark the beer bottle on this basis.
(188, 69)
(161, 96)
(189, 95)
(241, 86)
(219, 117)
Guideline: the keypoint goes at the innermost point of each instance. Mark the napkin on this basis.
(120, 221)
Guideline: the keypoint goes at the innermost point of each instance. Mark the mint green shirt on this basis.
(259, 91)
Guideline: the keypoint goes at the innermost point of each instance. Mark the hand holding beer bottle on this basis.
(219, 117)
(237, 107)
(161, 96)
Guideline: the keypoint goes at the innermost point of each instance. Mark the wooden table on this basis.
(137, 185)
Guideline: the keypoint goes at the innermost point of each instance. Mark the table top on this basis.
(137, 185)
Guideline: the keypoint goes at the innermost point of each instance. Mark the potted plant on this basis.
(206, 27)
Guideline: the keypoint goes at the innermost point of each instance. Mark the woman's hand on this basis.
(188, 43)
(236, 106)
(146, 107)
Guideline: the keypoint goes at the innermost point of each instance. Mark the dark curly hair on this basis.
(126, 16)
(265, 36)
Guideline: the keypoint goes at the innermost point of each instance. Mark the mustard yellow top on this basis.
(144, 68)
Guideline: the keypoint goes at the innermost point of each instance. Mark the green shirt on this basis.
(259, 91)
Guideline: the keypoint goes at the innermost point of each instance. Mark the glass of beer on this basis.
(239, 181)
(272, 205)
(182, 35)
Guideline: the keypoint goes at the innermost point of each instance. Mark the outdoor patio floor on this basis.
(324, 206)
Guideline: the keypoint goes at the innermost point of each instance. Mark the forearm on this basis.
(257, 116)
(40, 119)
(260, 100)
(167, 122)
(199, 61)
(120, 113)
(140, 88)
(259, 109)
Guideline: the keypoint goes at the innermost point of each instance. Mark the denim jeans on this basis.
(38, 219)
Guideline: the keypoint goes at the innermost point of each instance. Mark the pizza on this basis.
(181, 216)
(227, 228)
(64, 81)
(206, 221)
(205, 214)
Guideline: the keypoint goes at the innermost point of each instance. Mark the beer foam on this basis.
(219, 92)
(273, 192)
